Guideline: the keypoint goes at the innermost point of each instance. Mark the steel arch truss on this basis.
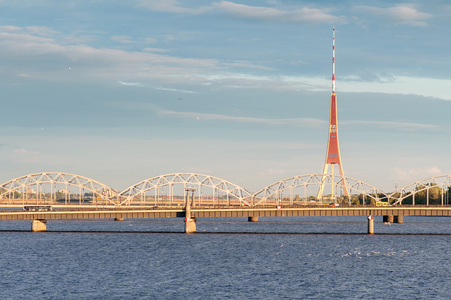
(437, 184)
(171, 189)
(303, 188)
(21, 188)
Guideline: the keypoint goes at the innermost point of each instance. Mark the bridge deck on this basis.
(135, 213)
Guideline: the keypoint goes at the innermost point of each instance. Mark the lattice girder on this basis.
(186, 180)
(53, 178)
(275, 190)
(441, 181)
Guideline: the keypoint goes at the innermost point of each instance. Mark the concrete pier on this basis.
(388, 219)
(398, 219)
(190, 222)
(253, 219)
(38, 225)
(370, 225)
(190, 225)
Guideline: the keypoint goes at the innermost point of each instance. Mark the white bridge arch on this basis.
(431, 189)
(71, 186)
(171, 189)
(304, 188)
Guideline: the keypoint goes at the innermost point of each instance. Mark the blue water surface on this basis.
(275, 258)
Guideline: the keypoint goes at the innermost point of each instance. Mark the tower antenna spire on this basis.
(333, 150)
(333, 60)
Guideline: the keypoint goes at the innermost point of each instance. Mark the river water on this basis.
(275, 258)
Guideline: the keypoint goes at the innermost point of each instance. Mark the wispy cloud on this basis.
(293, 122)
(25, 156)
(405, 85)
(175, 90)
(298, 15)
(180, 74)
(141, 106)
(299, 122)
(236, 10)
(402, 14)
(392, 125)
(272, 172)
(172, 6)
(411, 174)
(131, 83)
(123, 39)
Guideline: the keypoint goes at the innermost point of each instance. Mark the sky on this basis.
(123, 91)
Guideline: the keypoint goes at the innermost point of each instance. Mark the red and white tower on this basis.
(333, 150)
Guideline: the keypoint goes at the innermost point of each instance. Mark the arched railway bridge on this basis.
(55, 188)
(57, 195)
(170, 189)
(431, 190)
(302, 189)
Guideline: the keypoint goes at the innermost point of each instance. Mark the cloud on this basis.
(413, 174)
(272, 172)
(21, 47)
(159, 50)
(300, 15)
(404, 85)
(39, 57)
(401, 14)
(141, 106)
(24, 152)
(25, 156)
(392, 125)
(131, 83)
(299, 122)
(292, 122)
(123, 39)
(175, 90)
(172, 6)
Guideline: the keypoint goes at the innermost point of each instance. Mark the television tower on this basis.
(333, 150)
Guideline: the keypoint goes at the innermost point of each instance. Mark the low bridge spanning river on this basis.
(54, 195)
(190, 214)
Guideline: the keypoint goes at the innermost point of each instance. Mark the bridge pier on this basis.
(398, 219)
(190, 222)
(190, 225)
(253, 219)
(393, 219)
(38, 225)
(370, 225)
(387, 219)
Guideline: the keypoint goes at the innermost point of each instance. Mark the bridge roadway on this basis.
(128, 212)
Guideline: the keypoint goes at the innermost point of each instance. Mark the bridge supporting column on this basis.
(398, 219)
(190, 225)
(38, 225)
(190, 222)
(387, 219)
(253, 219)
(370, 225)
